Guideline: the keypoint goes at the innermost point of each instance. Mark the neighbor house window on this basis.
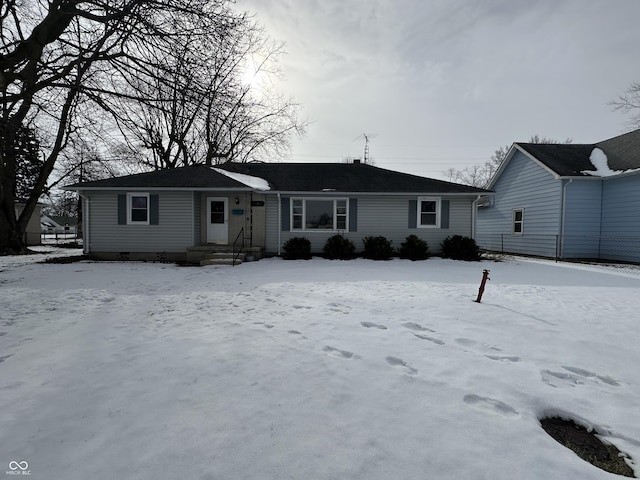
(138, 208)
(518, 221)
(429, 212)
(319, 214)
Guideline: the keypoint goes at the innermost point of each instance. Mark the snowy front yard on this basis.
(313, 370)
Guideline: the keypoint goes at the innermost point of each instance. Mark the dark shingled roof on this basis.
(567, 160)
(343, 177)
(288, 177)
(571, 160)
(623, 151)
(198, 176)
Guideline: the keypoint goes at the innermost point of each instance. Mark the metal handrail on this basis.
(235, 242)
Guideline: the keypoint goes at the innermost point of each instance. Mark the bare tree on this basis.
(206, 112)
(480, 175)
(629, 102)
(60, 59)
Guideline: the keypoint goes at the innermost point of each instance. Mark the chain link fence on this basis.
(588, 248)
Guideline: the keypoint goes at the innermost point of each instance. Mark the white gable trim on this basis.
(510, 154)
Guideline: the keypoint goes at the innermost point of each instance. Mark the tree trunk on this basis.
(11, 238)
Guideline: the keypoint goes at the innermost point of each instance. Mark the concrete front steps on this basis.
(222, 258)
(220, 255)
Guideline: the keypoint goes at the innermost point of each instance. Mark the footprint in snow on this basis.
(265, 325)
(503, 358)
(398, 362)
(576, 376)
(437, 341)
(467, 342)
(417, 327)
(336, 352)
(587, 374)
(373, 325)
(490, 404)
(336, 307)
(2, 359)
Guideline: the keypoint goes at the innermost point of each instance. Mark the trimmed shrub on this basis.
(297, 248)
(377, 248)
(339, 248)
(414, 248)
(460, 248)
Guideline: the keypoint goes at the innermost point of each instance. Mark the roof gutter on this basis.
(335, 193)
(170, 189)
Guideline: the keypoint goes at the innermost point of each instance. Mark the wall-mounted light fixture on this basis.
(237, 200)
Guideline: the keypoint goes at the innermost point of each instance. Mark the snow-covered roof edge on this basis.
(256, 183)
(601, 163)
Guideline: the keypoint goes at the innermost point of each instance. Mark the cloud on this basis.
(460, 73)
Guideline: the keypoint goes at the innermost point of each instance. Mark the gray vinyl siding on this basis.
(197, 223)
(174, 233)
(272, 227)
(621, 219)
(583, 210)
(527, 185)
(378, 215)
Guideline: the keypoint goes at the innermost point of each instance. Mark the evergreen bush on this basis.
(339, 248)
(297, 248)
(414, 248)
(460, 248)
(377, 248)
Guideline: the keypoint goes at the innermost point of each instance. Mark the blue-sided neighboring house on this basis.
(568, 201)
(187, 213)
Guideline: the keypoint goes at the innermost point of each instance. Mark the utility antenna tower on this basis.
(366, 137)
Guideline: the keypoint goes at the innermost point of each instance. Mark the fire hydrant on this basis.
(485, 277)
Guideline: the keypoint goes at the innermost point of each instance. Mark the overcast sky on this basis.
(444, 83)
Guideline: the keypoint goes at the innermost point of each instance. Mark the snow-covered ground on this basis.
(313, 370)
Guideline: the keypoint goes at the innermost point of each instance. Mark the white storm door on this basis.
(217, 220)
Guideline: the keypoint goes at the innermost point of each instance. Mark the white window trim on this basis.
(304, 214)
(513, 222)
(129, 208)
(438, 212)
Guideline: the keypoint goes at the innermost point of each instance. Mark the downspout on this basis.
(85, 224)
(562, 221)
(474, 215)
(279, 223)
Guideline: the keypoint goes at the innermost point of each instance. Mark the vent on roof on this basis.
(356, 161)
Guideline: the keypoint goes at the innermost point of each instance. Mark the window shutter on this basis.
(122, 209)
(353, 214)
(154, 214)
(413, 213)
(285, 217)
(444, 214)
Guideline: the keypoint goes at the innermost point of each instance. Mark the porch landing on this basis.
(220, 254)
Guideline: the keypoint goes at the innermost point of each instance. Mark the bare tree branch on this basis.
(629, 102)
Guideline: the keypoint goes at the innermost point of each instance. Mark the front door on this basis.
(217, 220)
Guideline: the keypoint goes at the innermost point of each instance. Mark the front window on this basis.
(518, 221)
(318, 214)
(138, 208)
(429, 212)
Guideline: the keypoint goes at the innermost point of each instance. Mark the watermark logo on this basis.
(18, 468)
